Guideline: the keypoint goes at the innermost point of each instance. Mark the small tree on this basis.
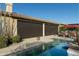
(62, 29)
(3, 42)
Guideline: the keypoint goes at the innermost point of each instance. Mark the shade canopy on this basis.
(71, 26)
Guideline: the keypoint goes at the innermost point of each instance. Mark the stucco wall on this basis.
(8, 26)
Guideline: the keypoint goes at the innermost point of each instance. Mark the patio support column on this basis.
(58, 29)
(43, 30)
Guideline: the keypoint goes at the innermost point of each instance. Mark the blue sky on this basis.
(62, 13)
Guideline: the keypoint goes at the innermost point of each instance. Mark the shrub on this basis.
(3, 42)
(15, 39)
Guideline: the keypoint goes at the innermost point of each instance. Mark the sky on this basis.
(66, 13)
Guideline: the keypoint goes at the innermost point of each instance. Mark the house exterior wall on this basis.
(51, 29)
(28, 29)
(0, 25)
(9, 26)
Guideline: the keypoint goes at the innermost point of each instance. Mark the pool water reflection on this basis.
(59, 50)
(55, 48)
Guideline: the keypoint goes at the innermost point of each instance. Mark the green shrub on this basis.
(2, 42)
(15, 39)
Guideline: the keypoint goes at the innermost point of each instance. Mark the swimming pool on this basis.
(55, 48)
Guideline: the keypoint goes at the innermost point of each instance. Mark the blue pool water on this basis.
(55, 48)
(58, 50)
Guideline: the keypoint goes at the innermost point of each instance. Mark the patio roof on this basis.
(20, 16)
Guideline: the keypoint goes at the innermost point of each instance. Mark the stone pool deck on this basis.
(28, 43)
(25, 44)
(72, 52)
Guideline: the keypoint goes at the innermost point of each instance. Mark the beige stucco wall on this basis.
(9, 26)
